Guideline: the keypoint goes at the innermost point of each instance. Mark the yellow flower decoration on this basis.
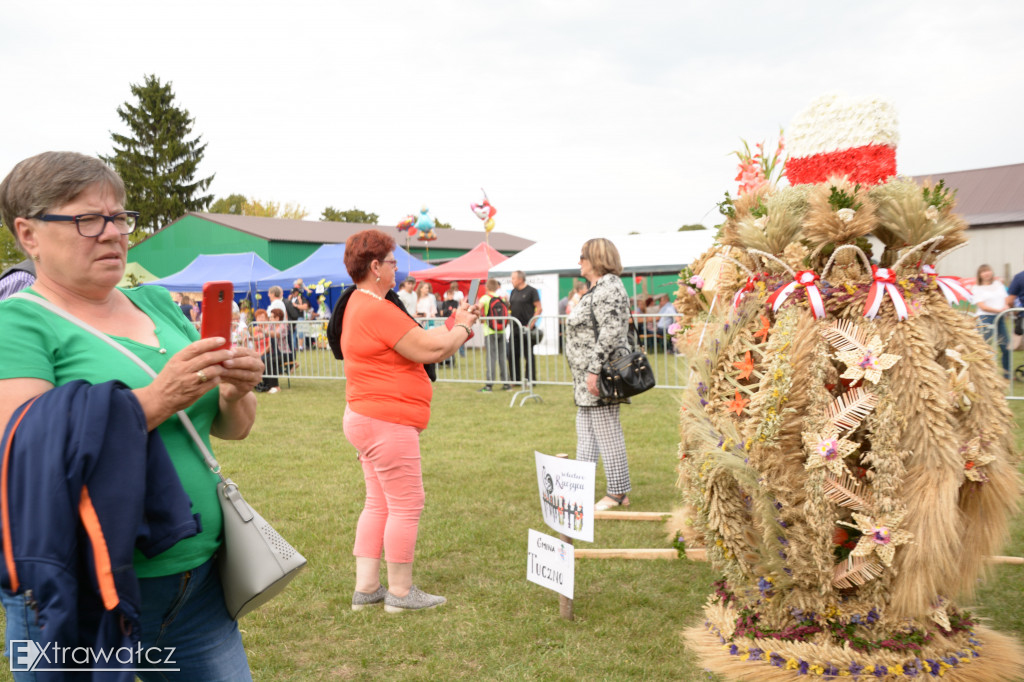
(827, 450)
(880, 536)
(975, 458)
(868, 362)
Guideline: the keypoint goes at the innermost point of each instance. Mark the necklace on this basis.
(370, 293)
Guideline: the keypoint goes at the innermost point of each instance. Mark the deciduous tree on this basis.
(353, 215)
(232, 204)
(156, 160)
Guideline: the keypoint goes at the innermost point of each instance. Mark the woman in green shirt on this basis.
(66, 212)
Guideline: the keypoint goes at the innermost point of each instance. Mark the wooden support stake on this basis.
(626, 554)
(701, 554)
(631, 516)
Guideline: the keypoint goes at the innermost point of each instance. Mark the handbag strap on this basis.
(189, 426)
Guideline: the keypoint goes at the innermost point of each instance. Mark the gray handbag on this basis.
(256, 563)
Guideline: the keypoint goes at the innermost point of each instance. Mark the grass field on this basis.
(301, 473)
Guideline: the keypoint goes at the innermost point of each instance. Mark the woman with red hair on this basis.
(388, 394)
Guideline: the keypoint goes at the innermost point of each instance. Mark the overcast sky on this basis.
(579, 116)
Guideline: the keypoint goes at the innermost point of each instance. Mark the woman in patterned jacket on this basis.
(596, 327)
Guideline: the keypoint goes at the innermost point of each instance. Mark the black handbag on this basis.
(626, 372)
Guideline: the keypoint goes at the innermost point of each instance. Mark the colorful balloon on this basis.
(407, 224)
(485, 212)
(425, 226)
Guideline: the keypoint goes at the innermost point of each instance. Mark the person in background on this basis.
(668, 316)
(17, 277)
(426, 304)
(276, 296)
(578, 289)
(494, 339)
(187, 309)
(596, 327)
(388, 393)
(1015, 299)
(299, 299)
(524, 305)
(280, 354)
(990, 299)
(66, 211)
(407, 295)
(263, 344)
(239, 330)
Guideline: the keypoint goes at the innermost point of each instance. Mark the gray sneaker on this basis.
(366, 600)
(415, 600)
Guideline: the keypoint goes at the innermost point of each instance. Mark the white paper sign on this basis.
(566, 489)
(550, 563)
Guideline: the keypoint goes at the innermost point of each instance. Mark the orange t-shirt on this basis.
(380, 382)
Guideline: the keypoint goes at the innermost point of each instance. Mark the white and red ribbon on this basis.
(951, 288)
(805, 279)
(884, 282)
(749, 286)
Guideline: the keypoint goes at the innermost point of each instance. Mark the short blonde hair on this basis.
(603, 256)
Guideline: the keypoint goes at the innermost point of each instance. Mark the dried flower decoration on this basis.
(974, 459)
(863, 359)
(827, 450)
(879, 536)
(939, 614)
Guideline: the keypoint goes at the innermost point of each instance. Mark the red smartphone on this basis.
(217, 297)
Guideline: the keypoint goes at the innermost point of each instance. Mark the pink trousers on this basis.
(390, 455)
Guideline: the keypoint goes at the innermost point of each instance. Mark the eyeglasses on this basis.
(391, 261)
(582, 257)
(93, 224)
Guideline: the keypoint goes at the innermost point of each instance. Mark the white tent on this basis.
(641, 253)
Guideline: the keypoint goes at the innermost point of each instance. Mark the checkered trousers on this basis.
(599, 433)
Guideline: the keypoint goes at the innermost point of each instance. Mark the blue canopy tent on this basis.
(243, 270)
(328, 263)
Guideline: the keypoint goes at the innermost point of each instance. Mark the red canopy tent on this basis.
(472, 265)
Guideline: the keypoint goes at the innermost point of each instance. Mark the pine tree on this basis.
(156, 161)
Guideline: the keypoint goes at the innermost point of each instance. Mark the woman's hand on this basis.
(241, 374)
(467, 315)
(186, 377)
(592, 385)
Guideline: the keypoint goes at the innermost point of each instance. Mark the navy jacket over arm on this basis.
(84, 485)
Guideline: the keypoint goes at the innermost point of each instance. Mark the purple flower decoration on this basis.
(756, 654)
(734, 650)
(873, 616)
(777, 660)
(880, 671)
(932, 667)
(856, 668)
(869, 361)
(831, 669)
(802, 670)
(882, 535)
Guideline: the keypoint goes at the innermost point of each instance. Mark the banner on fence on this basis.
(550, 563)
(566, 489)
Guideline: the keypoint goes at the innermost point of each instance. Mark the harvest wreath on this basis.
(846, 453)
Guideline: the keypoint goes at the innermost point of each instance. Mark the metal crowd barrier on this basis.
(545, 364)
(541, 363)
(1005, 319)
